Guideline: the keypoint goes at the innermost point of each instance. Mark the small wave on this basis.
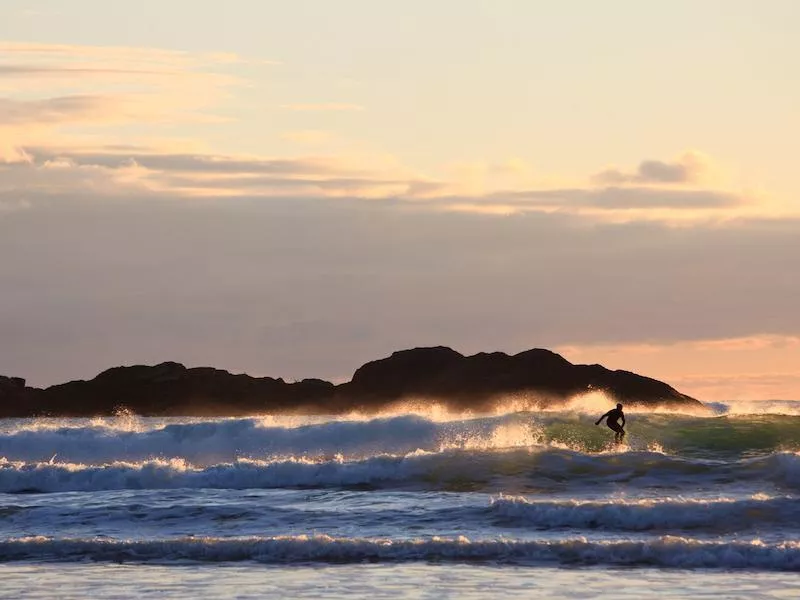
(673, 552)
(718, 516)
(758, 514)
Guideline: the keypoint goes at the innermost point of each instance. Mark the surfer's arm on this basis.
(601, 418)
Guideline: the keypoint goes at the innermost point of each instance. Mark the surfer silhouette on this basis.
(614, 416)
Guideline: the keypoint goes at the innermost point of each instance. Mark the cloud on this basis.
(182, 175)
(44, 88)
(50, 67)
(153, 87)
(611, 198)
(12, 154)
(55, 110)
(193, 163)
(751, 343)
(145, 279)
(149, 250)
(7, 70)
(36, 58)
(71, 52)
(36, 183)
(689, 168)
(742, 344)
(36, 117)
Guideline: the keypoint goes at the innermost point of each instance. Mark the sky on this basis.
(295, 188)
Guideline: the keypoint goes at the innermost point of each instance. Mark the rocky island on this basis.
(537, 378)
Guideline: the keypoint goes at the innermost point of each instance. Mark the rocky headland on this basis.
(536, 378)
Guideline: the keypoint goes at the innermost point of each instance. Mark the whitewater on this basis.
(538, 503)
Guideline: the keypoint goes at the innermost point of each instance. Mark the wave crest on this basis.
(674, 552)
(456, 470)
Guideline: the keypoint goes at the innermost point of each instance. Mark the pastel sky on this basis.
(294, 188)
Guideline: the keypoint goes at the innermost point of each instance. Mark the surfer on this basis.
(614, 416)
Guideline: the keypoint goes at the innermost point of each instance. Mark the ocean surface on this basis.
(421, 504)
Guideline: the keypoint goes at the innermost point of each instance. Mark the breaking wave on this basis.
(515, 452)
(210, 442)
(456, 470)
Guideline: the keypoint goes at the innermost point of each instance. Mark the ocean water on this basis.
(420, 504)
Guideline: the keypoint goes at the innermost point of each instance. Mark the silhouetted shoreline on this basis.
(537, 378)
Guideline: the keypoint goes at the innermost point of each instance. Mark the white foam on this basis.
(225, 440)
(420, 469)
(177, 473)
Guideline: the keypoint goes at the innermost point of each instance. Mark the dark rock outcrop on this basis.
(539, 377)
(13, 393)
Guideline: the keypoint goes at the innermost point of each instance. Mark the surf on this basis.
(212, 441)
(513, 470)
(673, 552)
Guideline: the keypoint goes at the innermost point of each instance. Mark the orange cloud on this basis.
(116, 54)
(70, 109)
(50, 86)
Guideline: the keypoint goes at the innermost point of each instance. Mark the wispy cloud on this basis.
(23, 71)
(71, 109)
(113, 86)
(610, 198)
(125, 54)
(181, 175)
(57, 85)
(195, 164)
(738, 344)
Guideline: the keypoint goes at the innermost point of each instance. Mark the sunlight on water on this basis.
(532, 489)
(412, 582)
